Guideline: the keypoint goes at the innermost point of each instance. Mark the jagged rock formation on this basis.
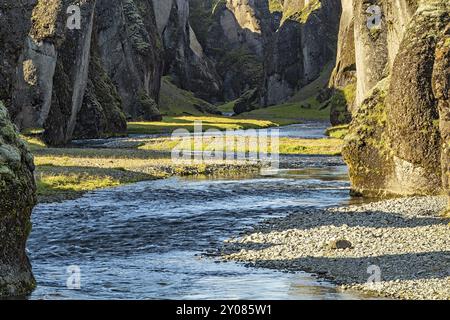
(71, 74)
(83, 83)
(303, 44)
(231, 33)
(185, 60)
(274, 47)
(130, 51)
(394, 146)
(17, 187)
(441, 91)
(343, 79)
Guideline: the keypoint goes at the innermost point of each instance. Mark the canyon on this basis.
(389, 83)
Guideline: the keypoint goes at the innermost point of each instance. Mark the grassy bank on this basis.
(286, 146)
(63, 174)
(169, 124)
(67, 173)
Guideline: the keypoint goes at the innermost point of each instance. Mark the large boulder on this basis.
(395, 140)
(17, 190)
(17, 186)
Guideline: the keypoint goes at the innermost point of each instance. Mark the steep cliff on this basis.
(71, 74)
(343, 79)
(394, 146)
(79, 82)
(17, 187)
(130, 51)
(184, 57)
(301, 47)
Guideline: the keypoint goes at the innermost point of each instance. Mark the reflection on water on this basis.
(146, 240)
(151, 240)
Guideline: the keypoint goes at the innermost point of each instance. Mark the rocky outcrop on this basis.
(17, 187)
(15, 21)
(70, 79)
(394, 145)
(232, 34)
(101, 112)
(184, 58)
(80, 82)
(17, 190)
(301, 47)
(343, 78)
(441, 90)
(130, 51)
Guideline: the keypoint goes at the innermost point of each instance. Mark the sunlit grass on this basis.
(33, 143)
(285, 145)
(289, 113)
(169, 124)
(68, 173)
(48, 184)
(338, 132)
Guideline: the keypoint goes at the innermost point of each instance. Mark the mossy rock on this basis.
(17, 190)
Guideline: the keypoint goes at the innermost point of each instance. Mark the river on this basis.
(153, 240)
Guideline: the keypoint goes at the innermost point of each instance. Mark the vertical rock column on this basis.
(413, 116)
(441, 89)
(17, 199)
(71, 75)
(17, 187)
(371, 49)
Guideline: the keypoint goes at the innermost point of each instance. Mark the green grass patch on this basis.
(338, 132)
(289, 113)
(178, 102)
(48, 184)
(169, 124)
(285, 145)
(33, 142)
(227, 107)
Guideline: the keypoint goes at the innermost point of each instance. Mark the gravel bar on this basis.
(397, 248)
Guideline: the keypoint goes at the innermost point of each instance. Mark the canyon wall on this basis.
(184, 57)
(265, 51)
(399, 128)
(301, 47)
(84, 82)
(17, 186)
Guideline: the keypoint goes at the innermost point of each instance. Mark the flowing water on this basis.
(151, 240)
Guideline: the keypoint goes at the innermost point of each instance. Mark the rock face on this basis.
(301, 47)
(84, 82)
(441, 90)
(274, 47)
(232, 37)
(17, 187)
(130, 51)
(343, 79)
(71, 76)
(395, 140)
(184, 58)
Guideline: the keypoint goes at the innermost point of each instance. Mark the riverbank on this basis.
(406, 240)
(64, 174)
(68, 173)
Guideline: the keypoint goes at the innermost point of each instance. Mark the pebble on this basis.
(403, 244)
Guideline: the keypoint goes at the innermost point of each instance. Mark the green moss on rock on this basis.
(17, 199)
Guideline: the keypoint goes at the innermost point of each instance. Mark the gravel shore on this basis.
(403, 245)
